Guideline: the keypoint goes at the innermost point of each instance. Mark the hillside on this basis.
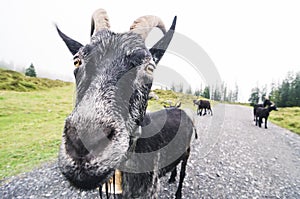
(15, 81)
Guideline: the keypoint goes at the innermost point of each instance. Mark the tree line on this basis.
(284, 94)
(217, 93)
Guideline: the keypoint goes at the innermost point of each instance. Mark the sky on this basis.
(251, 43)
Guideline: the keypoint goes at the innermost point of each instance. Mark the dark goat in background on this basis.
(263, 113)
(203, 104)
(267, 102)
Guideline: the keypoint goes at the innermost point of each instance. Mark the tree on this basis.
(254, 97)
(30, 71)
(206, 93)
(284, 91)
(173, 87)
(263, 93)
(216, 94)
(296, 90)
(287, 93)
(274, 94)
(197, 92)
(188, 90)
(235, 95)
(180, 87)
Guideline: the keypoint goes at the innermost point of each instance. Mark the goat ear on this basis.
(178, 105)
(160, 47)
(72, 45)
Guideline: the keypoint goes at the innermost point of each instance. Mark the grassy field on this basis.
(288, 118)
(31, 125)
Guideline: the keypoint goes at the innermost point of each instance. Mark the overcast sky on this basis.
(249, 42)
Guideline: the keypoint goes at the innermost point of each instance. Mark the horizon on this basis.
(158, 85)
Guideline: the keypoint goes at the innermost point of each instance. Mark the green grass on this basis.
(288, 118)
(12, 80)
(31, 125)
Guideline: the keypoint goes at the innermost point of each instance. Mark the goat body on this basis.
(164, 143)
(256, 106)
(202, 104)
(263, 113)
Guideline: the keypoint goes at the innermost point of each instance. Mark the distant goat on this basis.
(264, 113)
(267, 102)
(202, 104)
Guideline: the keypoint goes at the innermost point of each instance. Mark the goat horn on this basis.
(99, 21)
(144, 25)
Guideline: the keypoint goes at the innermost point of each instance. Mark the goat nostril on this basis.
(109, 133)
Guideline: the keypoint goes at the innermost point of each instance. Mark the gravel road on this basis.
(231, 159)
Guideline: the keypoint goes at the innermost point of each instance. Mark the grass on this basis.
(12, 80)
(31, 125)
(288, 118)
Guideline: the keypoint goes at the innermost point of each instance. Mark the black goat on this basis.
(166, 135)
(264, 113)
(267, 102)
(203, 104)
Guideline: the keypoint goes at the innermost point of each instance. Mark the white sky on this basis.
(250, 42)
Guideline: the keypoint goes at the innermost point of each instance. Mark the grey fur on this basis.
(111, 100)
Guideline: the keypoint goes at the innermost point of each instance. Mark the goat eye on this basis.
(77, 62)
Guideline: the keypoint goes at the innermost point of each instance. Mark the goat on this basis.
(264, 113)
(203, 104)
(267, 102)
(113, 75)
